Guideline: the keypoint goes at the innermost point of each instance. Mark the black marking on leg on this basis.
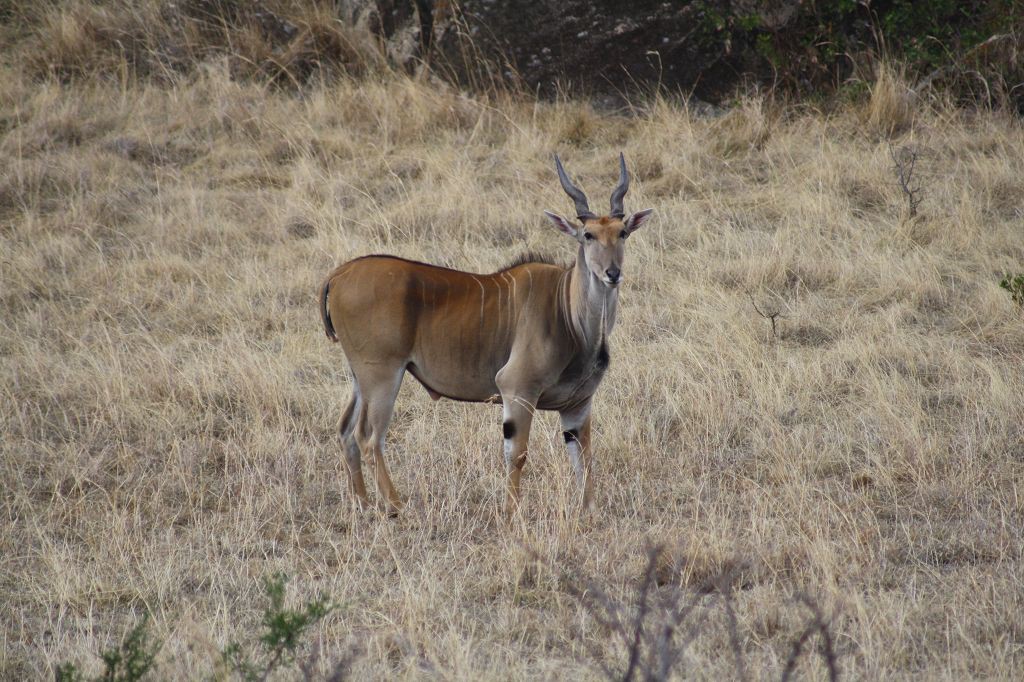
(571, 435)
(508, 429)
(603, 359)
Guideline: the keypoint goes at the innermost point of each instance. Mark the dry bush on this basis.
(662, 621)
(745, 127)
(168, 401)
(891, 104)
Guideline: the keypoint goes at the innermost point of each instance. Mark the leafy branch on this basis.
(135, 656)
(283, 630)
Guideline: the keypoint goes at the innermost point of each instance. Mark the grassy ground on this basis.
(169, 399)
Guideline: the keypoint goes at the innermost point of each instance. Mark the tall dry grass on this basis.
(285, 42)
(169, 400)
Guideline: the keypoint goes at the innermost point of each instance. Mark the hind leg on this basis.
(353, 460)
(378, 389)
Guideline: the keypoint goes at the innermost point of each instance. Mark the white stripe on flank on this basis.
(483, 294)
(512, 289)
(512, 323)
(498, 284)
(508, 296)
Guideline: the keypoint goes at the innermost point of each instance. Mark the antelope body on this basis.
(531, 336)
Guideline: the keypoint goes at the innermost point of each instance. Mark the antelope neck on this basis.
(591, 304)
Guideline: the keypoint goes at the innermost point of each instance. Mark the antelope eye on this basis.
(588, 236)
(623, 234)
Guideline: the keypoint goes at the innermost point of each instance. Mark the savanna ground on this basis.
(169, 399)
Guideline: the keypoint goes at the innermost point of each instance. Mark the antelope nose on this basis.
(613, 274)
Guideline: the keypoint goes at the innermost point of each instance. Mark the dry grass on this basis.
(285, 42)
(169, 399)
(890, 108)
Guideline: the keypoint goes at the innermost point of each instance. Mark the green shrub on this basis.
(283, 630)
(130, 661)
(1015, 285)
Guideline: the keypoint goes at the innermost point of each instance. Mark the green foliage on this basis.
(130, 661)
(69, 672)
(929, 32)
(1015, 285)
(283, 630)
(816, 47)
(716, 22)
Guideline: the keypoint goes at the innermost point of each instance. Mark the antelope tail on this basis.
(325, 314)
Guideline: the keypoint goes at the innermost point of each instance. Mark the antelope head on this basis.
(601, 238)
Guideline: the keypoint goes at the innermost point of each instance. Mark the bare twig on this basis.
(770, 315)
(642, 611)
(904, 164)
(818, 624)
(725, 587)
(668, 654)
(661, 629)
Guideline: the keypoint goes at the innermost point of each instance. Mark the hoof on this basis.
(393, 508)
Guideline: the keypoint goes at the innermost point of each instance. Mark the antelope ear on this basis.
(636, 221)
(561, 223)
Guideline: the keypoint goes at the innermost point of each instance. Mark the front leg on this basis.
(515, 428)
(576, 431)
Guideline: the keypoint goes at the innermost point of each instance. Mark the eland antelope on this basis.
(531, 336)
